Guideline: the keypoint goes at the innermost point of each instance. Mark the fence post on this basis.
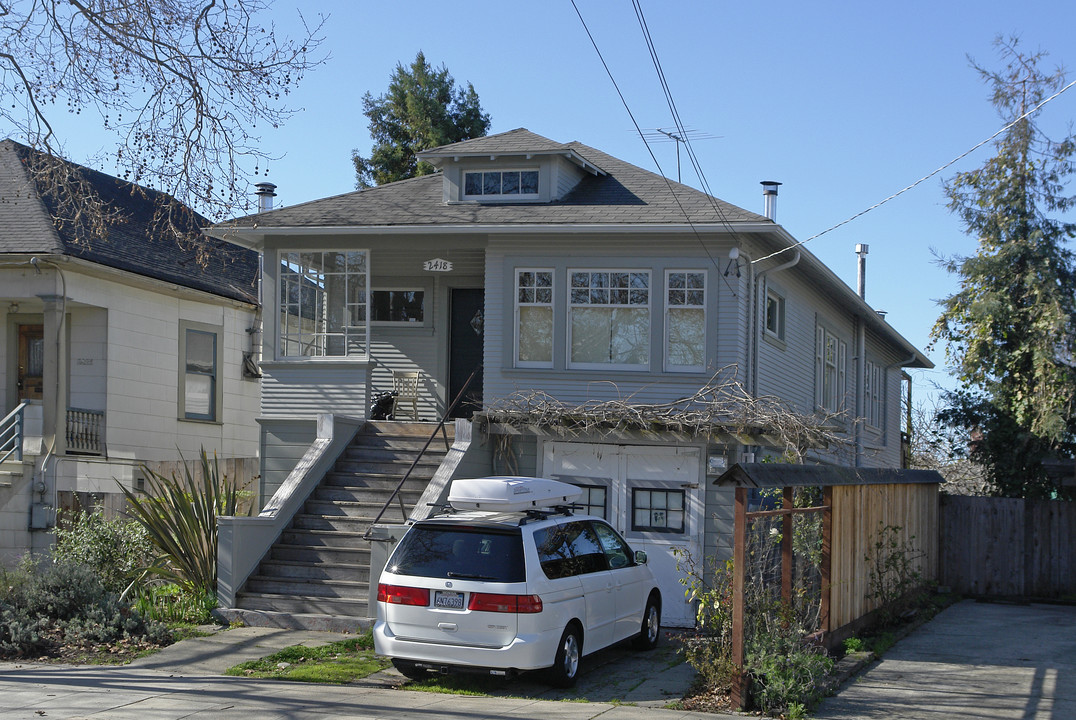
(786, 549)
(827, 558)
(739, 567)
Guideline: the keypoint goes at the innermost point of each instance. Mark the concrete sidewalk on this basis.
(184, 681)
(974, 660)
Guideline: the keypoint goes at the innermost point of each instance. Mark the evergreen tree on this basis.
(1009, 329)
(422, 109)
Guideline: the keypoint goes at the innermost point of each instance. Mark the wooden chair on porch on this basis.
(405, 384)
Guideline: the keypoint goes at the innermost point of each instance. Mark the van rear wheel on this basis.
(565, 668)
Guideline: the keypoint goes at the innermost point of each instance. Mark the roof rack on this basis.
(544, 513)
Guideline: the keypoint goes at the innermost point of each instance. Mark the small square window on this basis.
(657, 510)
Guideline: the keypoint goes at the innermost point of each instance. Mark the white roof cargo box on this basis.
(510, 494)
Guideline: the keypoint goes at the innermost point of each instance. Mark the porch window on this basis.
(200, 356)
(534, 318)
(685, 320)
(324, 304)
(521, 184)
(397, 307)
(831, 361)
(657, 510)
(609, 319)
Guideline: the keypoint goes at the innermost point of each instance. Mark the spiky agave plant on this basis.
(180, 516)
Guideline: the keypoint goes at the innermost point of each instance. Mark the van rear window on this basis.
(466, 553)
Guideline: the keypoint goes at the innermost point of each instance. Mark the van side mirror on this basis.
(640, 557)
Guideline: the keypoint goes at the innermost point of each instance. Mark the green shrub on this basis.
(853, 644)
(710, 650)
(893, 567)
(116, 550)
(67, 604)
(786, 671)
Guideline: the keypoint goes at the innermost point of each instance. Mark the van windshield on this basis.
(467, 553)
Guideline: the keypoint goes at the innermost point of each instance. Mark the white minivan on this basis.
(509, 579)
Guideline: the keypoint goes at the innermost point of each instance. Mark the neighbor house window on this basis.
(609, 319)
(685, 320)
(323, 304)
(516, 183)
(831, 361)
(874, 394)
(534, 318)
(200, 357)
(775, 315)
(657, 510)
(397, 306)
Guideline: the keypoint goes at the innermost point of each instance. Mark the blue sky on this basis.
(843, 102)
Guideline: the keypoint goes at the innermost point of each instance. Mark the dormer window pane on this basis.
(473, 184)
(528, 182)
(510, 183)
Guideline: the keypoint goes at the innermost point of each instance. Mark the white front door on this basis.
(652, 495)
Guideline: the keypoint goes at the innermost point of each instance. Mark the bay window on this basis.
(685, 320)
(609, 319)
(534, 318)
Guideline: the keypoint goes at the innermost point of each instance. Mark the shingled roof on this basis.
(624, 194)
(33, 221)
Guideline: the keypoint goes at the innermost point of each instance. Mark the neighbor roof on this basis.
(625, 194)
(32, 221)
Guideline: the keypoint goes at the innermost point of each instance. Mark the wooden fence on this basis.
(1002, 547)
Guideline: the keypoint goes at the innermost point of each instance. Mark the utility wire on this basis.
(920, 180)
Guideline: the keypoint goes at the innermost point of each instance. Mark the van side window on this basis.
(616, 550)
(569, 549)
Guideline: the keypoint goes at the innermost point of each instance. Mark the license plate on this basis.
(448, 599)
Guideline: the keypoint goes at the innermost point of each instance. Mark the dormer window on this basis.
(516, 183)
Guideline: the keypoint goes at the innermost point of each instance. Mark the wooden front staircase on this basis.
(320, 566)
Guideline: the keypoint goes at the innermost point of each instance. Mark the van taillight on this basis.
(493, 602)
(400, 595)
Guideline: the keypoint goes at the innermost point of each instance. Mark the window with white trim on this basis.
(775, 314)
(874, 394)
(521, 184)
(609, 319)
(831, 364)
(685, 320)
(200, 359)
(534, 317)
(323, 304)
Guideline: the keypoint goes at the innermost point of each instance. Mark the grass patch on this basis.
(337, 663)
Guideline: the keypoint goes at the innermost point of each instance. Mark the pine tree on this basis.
(1009, 329)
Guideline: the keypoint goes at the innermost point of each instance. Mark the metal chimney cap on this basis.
(769, 187)
(265, 188)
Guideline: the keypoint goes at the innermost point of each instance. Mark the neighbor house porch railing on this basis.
(11, 432)
(85, 431)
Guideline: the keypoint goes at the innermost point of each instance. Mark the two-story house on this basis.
(556, 269)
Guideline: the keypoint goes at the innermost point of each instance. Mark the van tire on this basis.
(565, 668)
(650, 632)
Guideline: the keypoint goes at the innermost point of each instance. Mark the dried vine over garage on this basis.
(721, 407)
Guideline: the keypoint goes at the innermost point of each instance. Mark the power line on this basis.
(900, 192)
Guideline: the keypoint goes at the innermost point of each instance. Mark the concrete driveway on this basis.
(974, 660)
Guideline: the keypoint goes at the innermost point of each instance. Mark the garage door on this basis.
(652, 495)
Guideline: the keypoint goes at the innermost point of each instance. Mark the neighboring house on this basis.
(114, 351)
(554, 267)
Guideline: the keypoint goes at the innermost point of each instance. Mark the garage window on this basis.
(593, 500)
(657, 510)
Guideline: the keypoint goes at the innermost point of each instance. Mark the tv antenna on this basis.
(678, 135)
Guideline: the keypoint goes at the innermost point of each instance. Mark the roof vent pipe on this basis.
(861, 250)
(265, 196)
(769, 195)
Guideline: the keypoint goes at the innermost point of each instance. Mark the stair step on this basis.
(304, 605)
(342, 509)
(308, 587)
(398, 469)
(376, 496)
(405, 429)
(324, 539)
(309, 521)
(371, 453)
(317, 555)
(280, 569)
